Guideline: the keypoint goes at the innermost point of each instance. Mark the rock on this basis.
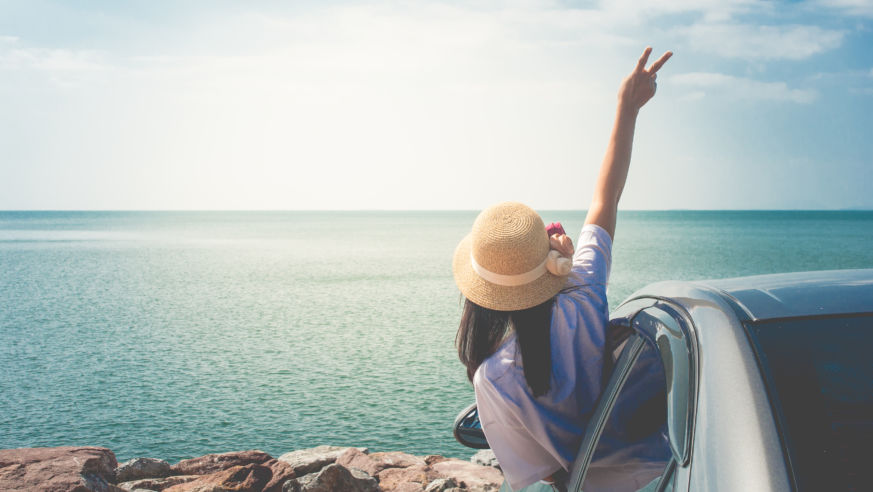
(485, 457)
(441, 485)
(376, 462)
(397, 459)
(352, 458)
(282, 472)
(156, 484)
(247, 478)
(138, 468)
(67, 468)
(305, 461)
(472, 477)
(212, 463)
(391, 479)
(331, 478)
(409, 487)
(434, 458)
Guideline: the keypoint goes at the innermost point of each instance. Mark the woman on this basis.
(532, 330)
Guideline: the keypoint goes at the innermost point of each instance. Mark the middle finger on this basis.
(661, 61)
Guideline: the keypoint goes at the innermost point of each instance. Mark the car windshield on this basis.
(820, 376)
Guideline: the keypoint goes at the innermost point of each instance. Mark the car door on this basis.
(639, 437)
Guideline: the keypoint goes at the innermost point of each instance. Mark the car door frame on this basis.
(651, 320)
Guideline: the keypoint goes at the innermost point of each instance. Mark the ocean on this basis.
(176, 334)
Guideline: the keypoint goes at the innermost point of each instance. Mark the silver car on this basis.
(766, 384)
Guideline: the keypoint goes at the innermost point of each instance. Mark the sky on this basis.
(158, 105)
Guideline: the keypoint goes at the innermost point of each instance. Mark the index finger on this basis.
(661, 61)
(641, 65)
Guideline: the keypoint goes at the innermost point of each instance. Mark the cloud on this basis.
(851, 7)
(15, 56)
(728, 86)
(791, 42)
(710, 10)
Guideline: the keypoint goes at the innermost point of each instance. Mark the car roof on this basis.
(788, 295)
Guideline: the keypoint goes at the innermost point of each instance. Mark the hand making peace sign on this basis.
(638, 87)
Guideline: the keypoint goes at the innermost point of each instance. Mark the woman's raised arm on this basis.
(636, 89)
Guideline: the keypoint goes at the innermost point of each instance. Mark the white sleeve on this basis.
(593, 257)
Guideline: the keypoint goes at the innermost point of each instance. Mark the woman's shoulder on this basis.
(581, 299)
(500, 365)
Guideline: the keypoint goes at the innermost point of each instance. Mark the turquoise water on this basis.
(175, 334)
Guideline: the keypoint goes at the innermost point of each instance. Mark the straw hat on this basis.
(505, 263)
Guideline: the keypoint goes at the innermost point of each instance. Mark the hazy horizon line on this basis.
(365, 210)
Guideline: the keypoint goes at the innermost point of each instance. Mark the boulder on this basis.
(247, 478)
(305, 461)
(67, 468)
(332, 478)
(281, 473)
(156, 484)
(391, 479)
(376, 462)
(211, 463)
(138, 468)
(441, 485)
(485, 457)
(470, 476)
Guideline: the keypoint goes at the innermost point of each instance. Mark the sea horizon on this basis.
(849, 209)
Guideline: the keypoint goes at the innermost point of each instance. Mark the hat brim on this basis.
(499, 297)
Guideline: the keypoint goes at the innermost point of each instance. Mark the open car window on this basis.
(640, 429)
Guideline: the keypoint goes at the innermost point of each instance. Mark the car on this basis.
(767, 384)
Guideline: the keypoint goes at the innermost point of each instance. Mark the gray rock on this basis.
(139, 468)
(485, 457)
(305, 461)
(331, 478)
(441, 485)
(156, 484)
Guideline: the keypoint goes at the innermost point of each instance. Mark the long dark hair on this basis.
(482, 329)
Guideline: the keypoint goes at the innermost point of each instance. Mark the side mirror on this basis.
(468, 429)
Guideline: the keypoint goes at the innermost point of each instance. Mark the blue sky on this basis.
(430, 105)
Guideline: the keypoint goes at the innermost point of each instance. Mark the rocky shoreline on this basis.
(319, 469)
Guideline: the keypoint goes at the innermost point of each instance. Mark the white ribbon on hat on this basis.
(553, 262)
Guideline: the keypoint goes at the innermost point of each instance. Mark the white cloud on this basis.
(15, 56)
(710, 10)
(792, 42)
(851, 7)
(701, 84)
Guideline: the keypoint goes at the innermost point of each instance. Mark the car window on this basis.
(819, 376)
(641, 428)
(633, 451)
(677, 355)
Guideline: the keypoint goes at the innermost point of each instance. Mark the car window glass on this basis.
(677, 359)
(820, 375)
(632, 451)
